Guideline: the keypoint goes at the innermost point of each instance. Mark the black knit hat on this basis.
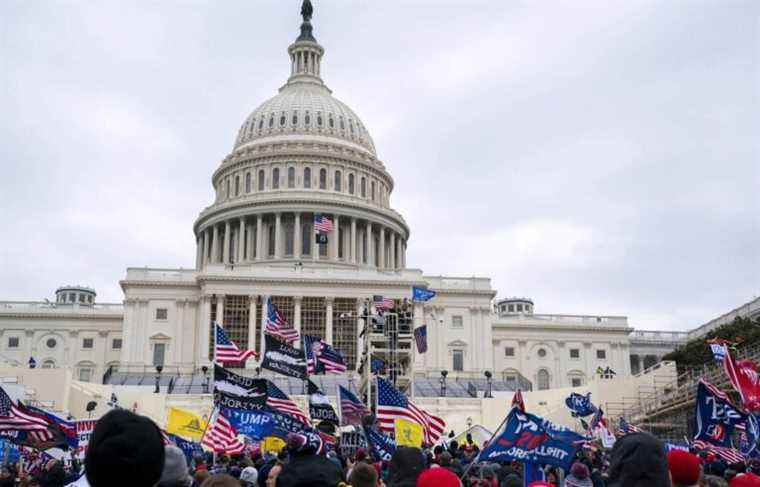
(124, 450)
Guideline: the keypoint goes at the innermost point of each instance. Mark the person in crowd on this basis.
(745, 480)
(712, 481)
(7, 477)
(201, 474)
(685, 468)
(437, 477)
(638, 460)
(579, 476)
(221, 480)
(305, 467)
(363, 475)
(125, 450)
(175, 472)
(406, 465)
(273, 474)
(248, 477)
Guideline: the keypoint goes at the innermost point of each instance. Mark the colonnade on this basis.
(290, 235)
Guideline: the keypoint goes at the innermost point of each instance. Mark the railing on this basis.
(51, 306)
(659, 335)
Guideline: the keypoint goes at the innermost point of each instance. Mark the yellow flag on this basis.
(273, 444)
(408, 433)
(185, 424)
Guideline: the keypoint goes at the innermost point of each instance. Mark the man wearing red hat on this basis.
(685, 468)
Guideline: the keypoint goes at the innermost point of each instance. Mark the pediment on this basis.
(160, 336)
(457, 343)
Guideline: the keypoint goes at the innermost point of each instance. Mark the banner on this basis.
(525, 438)
(84, 429)
(750, 438)
(9, 453)
(281, 357)
(319, 406)
(185, 424)
(580, 405)
(422, 294)
(716, 416)
(227, 400)
(254, 424)
(189, 448)
(382, 446)
(350, 441)
(239, 385)
(408, 433)
(273, 444)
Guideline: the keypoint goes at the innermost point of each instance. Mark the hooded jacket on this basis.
(638, 460)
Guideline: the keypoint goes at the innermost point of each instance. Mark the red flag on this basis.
(744, 377)
(517, 401)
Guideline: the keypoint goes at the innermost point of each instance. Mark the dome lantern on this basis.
(305, 53)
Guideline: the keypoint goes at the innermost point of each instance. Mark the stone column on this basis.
(249, 242)
(359, 339)
(220, 309)
(226, 243)
(353, 242)
(198, 250)
(297, 236)
(297, 313)
(250, 364)
(241, 241)
(215, 245)
(329, 320)
(314, 246)
(392, 249)
(204, 331)
(381, 248)
(259, 231)
(398, 253)
(176, 343)
(206, 239)
(368, 237)
(403, 254)
(335, 238)
(262, 341)
(278, 235)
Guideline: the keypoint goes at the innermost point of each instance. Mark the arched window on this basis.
(323, 178)
(364, 187)
(306, 236)
(295, 118)
(248, 182)
(261, 180)
(350, 184)
(338, 181)
(307, 118)
(307, 177)
(373, 191)
(542, 378)
(48, 364)
(282, 120)
(227, 187)
(271, 241)
(291, 177)
(289, 232)
(237, 185)
(275, 178)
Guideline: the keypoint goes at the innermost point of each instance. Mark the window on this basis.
(601, 354)
(323, 178)
(458, 364)
(82, 298)
(282, 120)
(509, 351)
(291, 177)
(542, 378)
(289, 235)
(576, 381)
(159, 353)
(237, 185)
(542, 352)
(511, 308)
(116, 344)
(350, 184)
(295, 118)
(307, 118)
(306, 237)
(519, 308)
(227, 187)
(364, 187)
(51, 343)
(276, 178)
(261, 180)
(307, 178)
(271, 120)
(248, 182)
(271, 240)
(373, 191)
(13, 342)
(48, 364)
(88, 342)
(85, 374)
(330, 121)
(72, 297)
(575, 353)
(456, 322)
(162, 313)
(337, 184)
(319, 118)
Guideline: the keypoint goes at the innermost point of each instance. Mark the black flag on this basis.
(238, 385)
(319, 406)
(282, 358)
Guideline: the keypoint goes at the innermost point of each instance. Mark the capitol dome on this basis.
(303, 164)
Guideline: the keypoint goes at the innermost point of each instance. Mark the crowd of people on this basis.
(128, 450)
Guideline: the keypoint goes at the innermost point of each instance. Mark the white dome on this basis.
(305, 109)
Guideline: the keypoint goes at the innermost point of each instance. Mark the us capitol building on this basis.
(300, 153)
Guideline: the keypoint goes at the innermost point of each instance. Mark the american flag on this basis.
(68, 429)
(420, 336)
(16, 417)
(392, 404)
(277, 325)
(322, 224)
(382, 303)
(352, 410)
(627, 428)
(221, 436)
(321, 357)
(280, 402)
(225, 350)
(728, 454)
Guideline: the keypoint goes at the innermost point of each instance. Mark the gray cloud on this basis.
(600, 158)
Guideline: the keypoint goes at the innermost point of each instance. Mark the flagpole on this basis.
(477, 457)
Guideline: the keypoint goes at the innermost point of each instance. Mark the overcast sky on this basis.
(599, 157)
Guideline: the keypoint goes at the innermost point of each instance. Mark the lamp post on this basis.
(159, 369)
(204, 369)
(444, 373)
(488, 375)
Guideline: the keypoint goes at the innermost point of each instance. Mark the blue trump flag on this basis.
(580, 405)
(189, 448)
(382, 446)
(255, 424)
(531, 439)
(422, 294)
(716, 416)
(748, 440)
